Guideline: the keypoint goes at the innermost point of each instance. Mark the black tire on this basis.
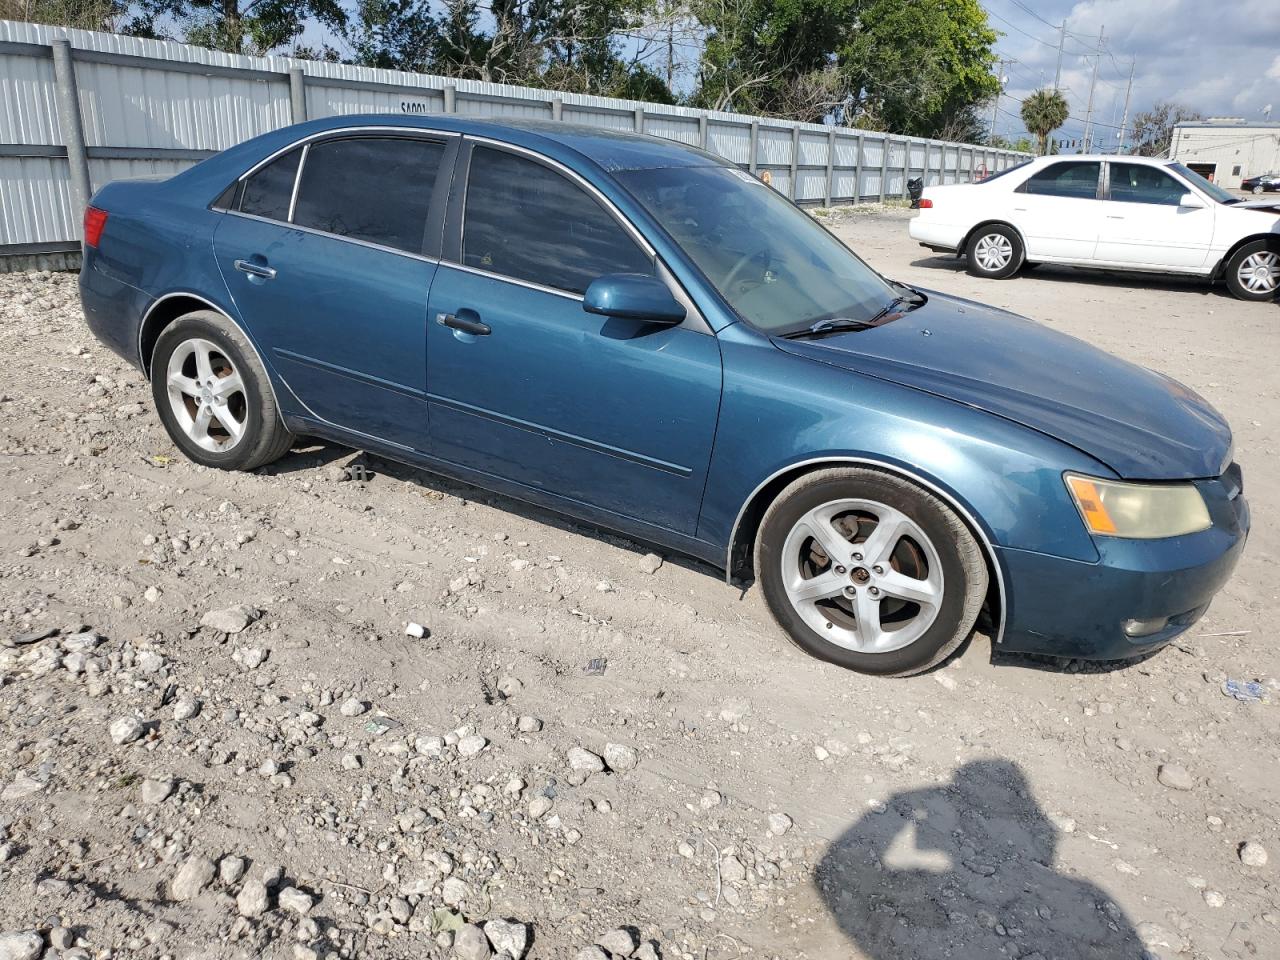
(999, 234)
(964, 571)
(1265, 249)
(1257, 190)
(265, 437)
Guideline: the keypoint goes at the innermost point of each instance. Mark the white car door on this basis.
(1145, 225)
(1058, 212)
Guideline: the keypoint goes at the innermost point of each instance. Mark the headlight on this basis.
(1142, 511)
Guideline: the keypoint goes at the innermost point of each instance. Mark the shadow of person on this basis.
(966, 871)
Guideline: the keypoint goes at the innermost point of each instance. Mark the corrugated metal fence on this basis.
(79, 108)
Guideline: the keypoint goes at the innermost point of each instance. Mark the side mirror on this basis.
(633, 296)
(1190, 201)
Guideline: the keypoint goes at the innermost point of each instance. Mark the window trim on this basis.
(1098, 193)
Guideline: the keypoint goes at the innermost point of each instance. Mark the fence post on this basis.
(884, 166)
(72, 128)
(831, 164)
(755, 140)
(450, 98)
(297, 95)
(795, 163)
(702, 131)
(928, 148)
(857, 172)
(557, 108)
(639, 120)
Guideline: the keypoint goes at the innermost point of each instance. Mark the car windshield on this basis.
(1206, 186)
(779, 270)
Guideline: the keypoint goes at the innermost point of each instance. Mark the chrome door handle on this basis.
(255, 269)
(473, 327)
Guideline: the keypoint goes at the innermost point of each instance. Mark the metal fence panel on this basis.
(152, 108)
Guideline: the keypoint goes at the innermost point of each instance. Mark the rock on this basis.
(1152, 934)
(61, 938)
(30, 637)
(1214, 898)
(429, 746)
(230, 620)
(126, 730)
(734, 711)
(508, 937)
(732, 869)
(21, 788)
(469, 943)
(251, 658)
(353, 707)
(539, 807)
(620, 757)
(296, 901)
(415, 630)
(508, 687)
(646, 951)
(230, 870)
(471, 745)
(585, 761)
(252, 899)
(619, 941)
(591, 953)
(148, 661)
(779, 823)
(650, 563)
(1175, 777)
(185, 709)
(192, 877)
(454, 891)
(20, 945)
(1253, 854)
(528, 724)
(156, 790)
(944, 680)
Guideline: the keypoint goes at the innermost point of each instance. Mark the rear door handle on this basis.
(473, 327)
(255, 269)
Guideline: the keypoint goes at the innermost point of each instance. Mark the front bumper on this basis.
(1069, 608)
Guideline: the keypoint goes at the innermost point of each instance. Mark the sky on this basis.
(1221, 58)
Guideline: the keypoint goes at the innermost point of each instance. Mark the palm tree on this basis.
(1044, 112)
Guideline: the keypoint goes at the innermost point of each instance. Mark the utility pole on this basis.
(1124, 124)
(1062, 40)
(1088, 113)
(995, 104)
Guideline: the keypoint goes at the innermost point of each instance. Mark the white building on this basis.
(1228, 149)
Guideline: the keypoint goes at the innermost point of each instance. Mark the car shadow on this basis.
(312, 453)
(967, 870)
(1104, 278)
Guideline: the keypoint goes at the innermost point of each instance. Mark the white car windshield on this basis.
(1203, 185)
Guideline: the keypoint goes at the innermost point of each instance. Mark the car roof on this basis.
(612, 149)
(1113, 157)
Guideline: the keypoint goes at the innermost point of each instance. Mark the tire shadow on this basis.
(967, 870)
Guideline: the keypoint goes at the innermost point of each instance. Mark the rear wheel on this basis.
(869, 571)
(1253, 272)
(994, 251)
(213, 396)
(1257, 189)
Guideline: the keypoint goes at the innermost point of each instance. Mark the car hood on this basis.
(1141, 424)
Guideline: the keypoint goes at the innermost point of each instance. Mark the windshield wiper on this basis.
(832, 325)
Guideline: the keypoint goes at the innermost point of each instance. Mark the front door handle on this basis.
(256, 269)
(474, 327)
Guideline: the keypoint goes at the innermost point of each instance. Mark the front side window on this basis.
(778, 269)
(1139, 183)
(369, 188)
(267, 192)
(1076, 180)
(526, 221)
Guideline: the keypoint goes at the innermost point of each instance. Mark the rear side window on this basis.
(373, 189)
(526, 221)
(1139, 183)
(267, 192)
(1077, 180)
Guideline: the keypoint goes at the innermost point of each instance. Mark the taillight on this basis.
(94, 221)
(925, 204)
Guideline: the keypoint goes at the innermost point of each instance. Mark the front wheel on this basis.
(1253, 272)
(869, 571)
(213, 396)
(995, 252)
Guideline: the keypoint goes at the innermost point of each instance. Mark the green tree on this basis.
(80, 14)
(1043, 112)
(394, 34)
(1153, 129)
(235, 26)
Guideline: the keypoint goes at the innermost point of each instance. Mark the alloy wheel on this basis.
(207, 395)
(994, 251)
(862, 575)
(1260, 272)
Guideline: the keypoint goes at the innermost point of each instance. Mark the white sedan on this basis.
(1107, 212)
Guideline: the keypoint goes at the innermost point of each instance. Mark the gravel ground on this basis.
(294, 714)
